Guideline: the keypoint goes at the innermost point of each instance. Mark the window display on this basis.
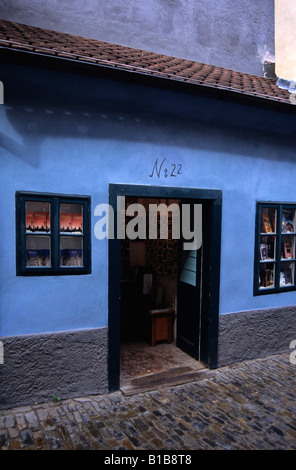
(287, 274)
(37, 251)
(275, 248)
(71, 218)
(71, 251)
(268, 222)
(267, 248)
(37, 216)
(53, 234)
(288, 220)
(266, 277)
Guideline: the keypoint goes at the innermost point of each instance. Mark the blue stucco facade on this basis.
(74, 134)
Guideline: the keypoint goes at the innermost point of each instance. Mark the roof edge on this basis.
(29, 45)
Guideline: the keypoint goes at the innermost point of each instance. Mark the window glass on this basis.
(287, 274)
(37, 216)
(38, 250)
(71, 218)
(268, 222)
(266, 276)
(267, 248)
(71, 251)
(287, 247)
(288, 220)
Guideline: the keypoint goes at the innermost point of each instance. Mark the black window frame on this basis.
(278, 259)
(55, 200)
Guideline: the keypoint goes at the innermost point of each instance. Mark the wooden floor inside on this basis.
(144, 367)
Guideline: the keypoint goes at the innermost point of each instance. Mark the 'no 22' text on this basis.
(168, 171)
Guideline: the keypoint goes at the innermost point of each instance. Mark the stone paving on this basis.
(247, 406)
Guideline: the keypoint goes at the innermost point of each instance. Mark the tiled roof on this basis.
(20, 37)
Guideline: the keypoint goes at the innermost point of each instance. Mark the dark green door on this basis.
(189, 291)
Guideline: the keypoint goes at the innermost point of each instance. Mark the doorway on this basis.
(160, 294)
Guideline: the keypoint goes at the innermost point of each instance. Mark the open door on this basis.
(199, 277)
(189, 291)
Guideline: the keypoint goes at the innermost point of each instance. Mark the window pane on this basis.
(71, 251)
(38, 250)
(266, 276)
(268, 220)
(71, 219)
(189, 267)
(37, 216)
(287, 274)
(288, 247)
(267, 248)
(288, 218)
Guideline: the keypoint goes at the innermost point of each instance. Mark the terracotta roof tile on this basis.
(22, 37)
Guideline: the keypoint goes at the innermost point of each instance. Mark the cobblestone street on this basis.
(247, 406)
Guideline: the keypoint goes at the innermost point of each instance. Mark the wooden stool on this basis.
(160, 325)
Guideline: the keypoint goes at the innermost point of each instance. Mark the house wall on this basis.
(285, 36)
(68, 134)
(227, 33)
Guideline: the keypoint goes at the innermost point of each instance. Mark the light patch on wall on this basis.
(265, 54)
(285, 39)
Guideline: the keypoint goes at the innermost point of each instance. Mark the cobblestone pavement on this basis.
(247, 406)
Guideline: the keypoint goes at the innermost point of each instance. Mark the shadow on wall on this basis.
(46, 104)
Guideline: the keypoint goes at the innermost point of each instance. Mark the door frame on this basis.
(210, 306)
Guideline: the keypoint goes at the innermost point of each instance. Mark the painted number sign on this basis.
(168, 171)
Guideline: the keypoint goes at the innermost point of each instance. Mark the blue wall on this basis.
(74, 135)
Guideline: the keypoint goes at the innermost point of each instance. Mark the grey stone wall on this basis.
(256, 333)
(227, 33)
(68, 364)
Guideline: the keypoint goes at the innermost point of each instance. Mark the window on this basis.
(275, 248)
(52, 234)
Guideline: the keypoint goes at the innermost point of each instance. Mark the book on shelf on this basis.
(267, 251)
(38, 258)
(71, 257)
(286, 277)
(37, 221)
(263, 252)
(287, 221)
(65, 222)
(266, 223)
(282, 279)
(77, 222)
(288, 254)
(266, 278)
(70, 222)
